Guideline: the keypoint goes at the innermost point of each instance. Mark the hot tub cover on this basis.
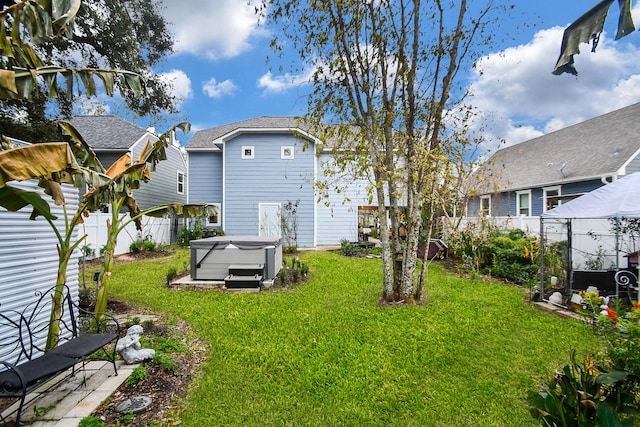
(240, 242)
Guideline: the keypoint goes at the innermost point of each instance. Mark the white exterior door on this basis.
(269, 220)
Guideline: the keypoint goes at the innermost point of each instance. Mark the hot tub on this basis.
(211, 257)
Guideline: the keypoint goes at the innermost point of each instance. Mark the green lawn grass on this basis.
(325, 354)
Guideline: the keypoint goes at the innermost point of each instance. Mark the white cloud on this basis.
(520, 99)
(280, 84)
(215, 28)
(216, 90)
(99, 105)
(181, 85)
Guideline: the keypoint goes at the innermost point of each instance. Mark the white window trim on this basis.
(219, 210)
(184, 182)
(248, 156)
(480, 210)
(283, 154)
(518, 207)
(546, 191)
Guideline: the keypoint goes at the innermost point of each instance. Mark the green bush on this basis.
(623, 335)
(584, 395)
(143, 246)
(165, 360)
(507, 254)
(472, 245)
(138, 374)
(514, 259)
(347, 248)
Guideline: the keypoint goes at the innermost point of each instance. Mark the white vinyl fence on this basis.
(158, 230)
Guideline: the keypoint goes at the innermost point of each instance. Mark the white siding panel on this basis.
(28, 254)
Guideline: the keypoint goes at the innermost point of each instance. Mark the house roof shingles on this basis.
(107, 132)
(597, 147)
(205, 138)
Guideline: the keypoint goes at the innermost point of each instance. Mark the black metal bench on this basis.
(25, 361)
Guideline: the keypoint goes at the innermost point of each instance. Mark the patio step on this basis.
(243, 282)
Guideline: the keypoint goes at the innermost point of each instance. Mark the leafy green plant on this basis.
(133, 321)
(165, 345)
(347, 248)
(87, 251)
(171, 274)
(165, 360)
(91, 422)
(143, 246)
(128, 418)
(622, 332)
(584, 395)
(40, 411)
(289, 226)
(472, 244)
(138, 374)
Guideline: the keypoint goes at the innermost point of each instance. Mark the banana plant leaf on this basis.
(182, 210)
(49, 161)
(13, 199)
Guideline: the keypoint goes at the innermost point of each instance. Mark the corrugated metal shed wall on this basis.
(28, 254)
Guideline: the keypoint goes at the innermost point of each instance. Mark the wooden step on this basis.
(240, 282)
(246, 269)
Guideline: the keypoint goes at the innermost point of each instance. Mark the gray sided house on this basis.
(529, 178)
(255, 170)
(111, 137)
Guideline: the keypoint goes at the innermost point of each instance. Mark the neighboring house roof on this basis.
(108, 132)
(599, 147)
(207, 138)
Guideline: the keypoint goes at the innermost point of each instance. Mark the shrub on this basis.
(584, 395)
(138, 374)
(622, 331)
(507, 254)
(347, 248)
(165, 360)
(514, 259)
(143, 246)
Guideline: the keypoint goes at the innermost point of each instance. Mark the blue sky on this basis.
(220, 72)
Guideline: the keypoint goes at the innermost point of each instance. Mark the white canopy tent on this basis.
(617, 200)
(620, 199)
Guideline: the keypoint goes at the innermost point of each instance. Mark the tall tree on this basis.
(108, 34)
(131, 35)
(386, 71)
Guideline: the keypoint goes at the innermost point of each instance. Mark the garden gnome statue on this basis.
(129, 347)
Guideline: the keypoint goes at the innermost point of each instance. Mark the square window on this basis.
(248, 152)
(286, 153)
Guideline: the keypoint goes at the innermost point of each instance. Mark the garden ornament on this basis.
(129, 347)
(556, 298)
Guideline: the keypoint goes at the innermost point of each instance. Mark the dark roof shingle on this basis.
(597, 147)
(107, 132)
